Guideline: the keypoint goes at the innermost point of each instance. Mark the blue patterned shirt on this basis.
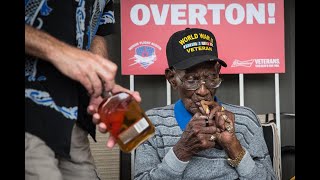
(53, 102)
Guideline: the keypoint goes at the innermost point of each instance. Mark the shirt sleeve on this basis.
(255, 168)
(107, 20)
(170, 167)
(256, 163)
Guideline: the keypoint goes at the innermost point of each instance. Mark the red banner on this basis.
(249, 34)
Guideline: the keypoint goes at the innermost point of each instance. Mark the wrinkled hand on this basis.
(93, 71)
(224, 121)
(195, 138)
(93, 110)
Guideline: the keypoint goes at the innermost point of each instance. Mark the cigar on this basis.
(205, 105)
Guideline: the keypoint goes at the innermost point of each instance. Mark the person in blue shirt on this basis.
(66, 71)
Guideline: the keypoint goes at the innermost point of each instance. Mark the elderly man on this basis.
(200, 137)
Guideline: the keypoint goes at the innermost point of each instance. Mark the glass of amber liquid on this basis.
(125, 120)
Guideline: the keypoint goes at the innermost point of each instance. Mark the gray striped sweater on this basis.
(155, 159)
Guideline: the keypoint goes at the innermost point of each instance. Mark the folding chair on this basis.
(271, 136)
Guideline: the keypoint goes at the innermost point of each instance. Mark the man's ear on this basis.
(217, 67)
(170, 76)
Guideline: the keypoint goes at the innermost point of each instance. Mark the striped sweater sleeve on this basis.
(149, 164)
(256, 164)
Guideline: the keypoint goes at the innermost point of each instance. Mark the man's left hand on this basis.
(226, 137)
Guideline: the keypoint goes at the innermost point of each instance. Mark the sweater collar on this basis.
(182, 115)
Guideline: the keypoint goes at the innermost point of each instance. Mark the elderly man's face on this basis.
(191, 97)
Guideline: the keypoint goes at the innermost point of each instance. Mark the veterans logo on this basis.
(267, 63)
(144, 53)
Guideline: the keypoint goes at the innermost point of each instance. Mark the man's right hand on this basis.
(195, 138)
(93, 71)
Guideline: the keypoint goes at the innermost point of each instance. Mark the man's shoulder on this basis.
(157, 114)
(242, 111)
(238, 109)
(161, 110)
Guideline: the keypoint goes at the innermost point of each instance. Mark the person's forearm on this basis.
(99, 46)
(234, 148)
(42, 45)
(83, 66)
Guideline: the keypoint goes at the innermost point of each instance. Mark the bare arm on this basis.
(83, 66)
(99, 46)
(42, 45)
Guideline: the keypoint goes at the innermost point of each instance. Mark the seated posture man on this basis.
(200, 137)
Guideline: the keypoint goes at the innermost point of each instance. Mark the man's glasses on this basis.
(192, 85)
